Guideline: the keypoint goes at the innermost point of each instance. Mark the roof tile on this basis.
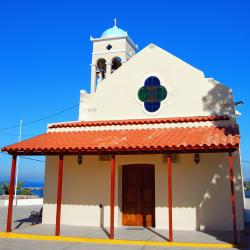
(145, 140)
(141, 121)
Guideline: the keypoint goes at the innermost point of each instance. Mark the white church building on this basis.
(156, 145)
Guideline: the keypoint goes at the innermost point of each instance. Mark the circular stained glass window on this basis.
(152, 94)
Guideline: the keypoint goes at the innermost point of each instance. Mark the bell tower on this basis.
(110, 52)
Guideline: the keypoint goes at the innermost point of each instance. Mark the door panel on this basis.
(138, 195)
(131, 196)
(148, 196)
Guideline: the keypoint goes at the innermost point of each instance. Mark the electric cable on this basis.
(41, 119)
(24, 157)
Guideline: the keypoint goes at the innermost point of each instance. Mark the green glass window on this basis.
(152, 93)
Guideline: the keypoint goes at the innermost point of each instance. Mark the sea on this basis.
(40, 188)
(39, 185)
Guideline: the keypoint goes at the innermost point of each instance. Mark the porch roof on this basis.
(150, 140)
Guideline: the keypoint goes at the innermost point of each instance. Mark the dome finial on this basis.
(115, 22)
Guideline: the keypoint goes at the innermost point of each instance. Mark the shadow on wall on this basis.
(202, 194)
(82, 184)
(219, 100)
(204, 188)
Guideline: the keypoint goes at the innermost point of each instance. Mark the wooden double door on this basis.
(138, 188)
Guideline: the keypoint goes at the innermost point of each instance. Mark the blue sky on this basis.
(45, 54)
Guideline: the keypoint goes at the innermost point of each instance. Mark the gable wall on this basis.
(189, 92)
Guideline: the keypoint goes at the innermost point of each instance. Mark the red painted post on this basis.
(59, 196)
(230, 161)
(11, 193)
(170, 218)
(112, 196)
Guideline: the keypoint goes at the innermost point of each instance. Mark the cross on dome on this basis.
(114, 31)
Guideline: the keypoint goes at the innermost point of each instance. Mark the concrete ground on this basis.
(130, 233)
(22, 224)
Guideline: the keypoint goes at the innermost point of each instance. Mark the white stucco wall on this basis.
(201, 193)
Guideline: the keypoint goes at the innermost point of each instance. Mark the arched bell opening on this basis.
(116, 63)
(100, 69)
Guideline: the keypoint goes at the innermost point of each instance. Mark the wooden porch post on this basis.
(170, 225)
(59, 196)
(112, 196)
(230, 161)
(11, 193)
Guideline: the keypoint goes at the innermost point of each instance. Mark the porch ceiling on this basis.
(157, 140)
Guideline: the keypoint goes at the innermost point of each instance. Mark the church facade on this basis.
(156, 145)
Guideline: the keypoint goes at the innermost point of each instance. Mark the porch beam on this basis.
(170, 217)
(230, 161)
(11, 193)
(112, 196)
(127, 152)
(59, 196)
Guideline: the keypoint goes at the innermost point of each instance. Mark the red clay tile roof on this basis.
(141, 121)
(182, 139)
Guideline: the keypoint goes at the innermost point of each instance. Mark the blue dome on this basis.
(113, 32)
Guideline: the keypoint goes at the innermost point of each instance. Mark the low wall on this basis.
(22, 202)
